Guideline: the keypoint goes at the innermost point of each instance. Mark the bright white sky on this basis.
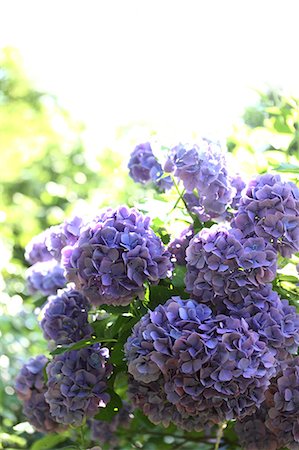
(179, 66)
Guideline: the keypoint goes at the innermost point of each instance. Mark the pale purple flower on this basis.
(269, 208)
(36, 250)
(77, 384)
(67, 233)
(30, 388)
(115, 256)
(65, 317)
(145, 168)
(213, 366)
(178, 246)
(45, 278)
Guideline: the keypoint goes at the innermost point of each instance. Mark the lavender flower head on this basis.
(238, 183)
(30, 388)
(221, 261)
(178, 246)
(114, 256)
(254, 435)
(145, 168)
(212, 367)
(106, 432)
(65, 317)
(64, 234)
(77, 383)
(270, 209)
(202, 168)
(283, 404)
(37, 250)
(45, 277)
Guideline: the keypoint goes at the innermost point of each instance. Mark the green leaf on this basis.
(288, 168)
(178, 278)
(113, 407)
(48, 442)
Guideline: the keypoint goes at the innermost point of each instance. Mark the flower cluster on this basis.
(77, 383)
(221, 261)
(145, 168)
(36, 250)
(105, 432)
(45, 277)
(270, 209)
(30, 388)
(209, 365)
(178, 246)
(202, 168)
(65, 317)
(64, 234)
(114, 256)
(277, 421)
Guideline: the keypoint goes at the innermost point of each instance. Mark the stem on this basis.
(82, 439)
(219, 435)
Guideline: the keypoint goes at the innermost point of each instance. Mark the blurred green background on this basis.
(46, 175)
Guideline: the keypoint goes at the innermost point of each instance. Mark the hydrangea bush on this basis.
(195, 331)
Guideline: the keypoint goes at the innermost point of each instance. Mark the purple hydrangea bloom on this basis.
(213, 365)
(114, 256)
(254, 435)
(30, 388)
(65, 317)
(221, 261)
(283, 404)
(36, 250)
(178, 246)
(270, 209)
(202, 168)
(106, 432)
(64, 234)
(45, 277)
(77, 383)
(152, 400)
(145, 168)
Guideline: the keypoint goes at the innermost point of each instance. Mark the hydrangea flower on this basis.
(77, 383)
(106, 432)
(222, 261)
(213, 365)
(37, 250)
(178, 246)
(254, 435)
(30, 388)
(65, 317)
(270, 209)
(239, 185)
(152, 400)
(64, 234)
(114, 256)
(145, 168)
(202, 168)
(283, 405)
(45, 277)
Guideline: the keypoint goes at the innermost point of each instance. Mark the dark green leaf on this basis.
(81, 344)
(48, 442)
(114, 405)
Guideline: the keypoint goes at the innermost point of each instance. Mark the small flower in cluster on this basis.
(145, 168)
(253, 433)
(45, 277)
(64, 234)
(221, 261)
(202, 168)
(213, 365)
(178, 246)
(65, 317)
(77, 384)
(37, 250)
(283, 404)
(238, 183)
(269, 208)
(106, 432)
(30, 388)
(114, 256)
